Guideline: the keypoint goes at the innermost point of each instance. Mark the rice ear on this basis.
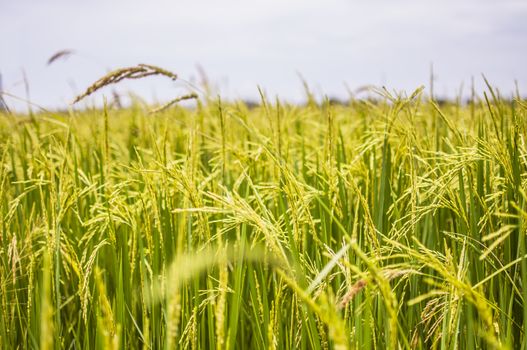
(60, 54)
(137, 72)
(190, 96)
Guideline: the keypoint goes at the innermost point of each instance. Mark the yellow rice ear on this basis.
(136, 72)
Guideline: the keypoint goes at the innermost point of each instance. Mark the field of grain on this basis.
(389, 223)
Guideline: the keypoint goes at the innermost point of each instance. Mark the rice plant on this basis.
(387, 223)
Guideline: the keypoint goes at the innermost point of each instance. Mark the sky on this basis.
(337, 46)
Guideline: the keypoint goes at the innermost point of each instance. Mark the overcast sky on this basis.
(242, 44)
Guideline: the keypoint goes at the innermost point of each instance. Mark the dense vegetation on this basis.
(392, 223)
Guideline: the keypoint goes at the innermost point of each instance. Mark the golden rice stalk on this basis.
(60, 54)
(174, 101)
(389, 274)
(354, 290)
(137, 72)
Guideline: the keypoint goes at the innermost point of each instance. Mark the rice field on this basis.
(387, 223)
